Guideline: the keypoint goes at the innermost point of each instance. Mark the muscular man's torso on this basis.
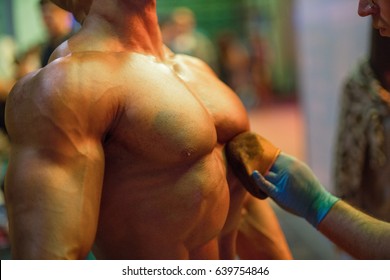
(165, 193)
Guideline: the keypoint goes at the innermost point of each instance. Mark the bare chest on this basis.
(176, 113)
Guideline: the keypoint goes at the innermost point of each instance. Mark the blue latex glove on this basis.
(294, 187)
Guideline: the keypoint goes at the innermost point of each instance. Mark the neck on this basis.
(130, 25)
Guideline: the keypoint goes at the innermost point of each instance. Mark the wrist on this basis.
(320, 208)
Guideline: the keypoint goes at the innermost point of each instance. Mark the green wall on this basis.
(6, 26)
(28, 26)
(212, 15)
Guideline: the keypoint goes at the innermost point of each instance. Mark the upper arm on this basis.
(254, 224)
(54, 179)
(260, 235)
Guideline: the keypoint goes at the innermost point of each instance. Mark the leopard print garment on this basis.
(362, 154)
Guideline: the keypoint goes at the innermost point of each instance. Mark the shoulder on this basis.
(195, 64)
(61, 97)
(77, 77)
(44, 86)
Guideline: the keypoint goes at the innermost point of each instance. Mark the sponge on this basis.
(247, 152)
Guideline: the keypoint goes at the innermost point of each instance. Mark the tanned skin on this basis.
(118, 145)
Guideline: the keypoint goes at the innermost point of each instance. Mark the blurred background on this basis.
(285, 59)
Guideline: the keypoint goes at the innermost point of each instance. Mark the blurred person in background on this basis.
(8, 70)
(261, 72)
(7, 80)
(362, 163)
(7, 66)
(234, 64)
(187, 39)
(294, 186)
(59, 25)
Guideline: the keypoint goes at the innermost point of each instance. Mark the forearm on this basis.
(360, 235)
(292, 184)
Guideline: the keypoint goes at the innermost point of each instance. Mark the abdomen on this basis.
(163, 212)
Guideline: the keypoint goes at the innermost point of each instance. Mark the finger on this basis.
(270, 176)
(262, 183)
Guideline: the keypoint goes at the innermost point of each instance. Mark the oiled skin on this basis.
(118, 145)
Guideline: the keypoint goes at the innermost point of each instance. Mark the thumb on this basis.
(264, 185)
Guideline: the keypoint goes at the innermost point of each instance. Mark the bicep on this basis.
(54, 177)
(53, 198)
(55, 174)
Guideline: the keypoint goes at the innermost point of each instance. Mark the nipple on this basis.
(187, 152)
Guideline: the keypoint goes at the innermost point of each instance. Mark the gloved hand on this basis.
(295, 188)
